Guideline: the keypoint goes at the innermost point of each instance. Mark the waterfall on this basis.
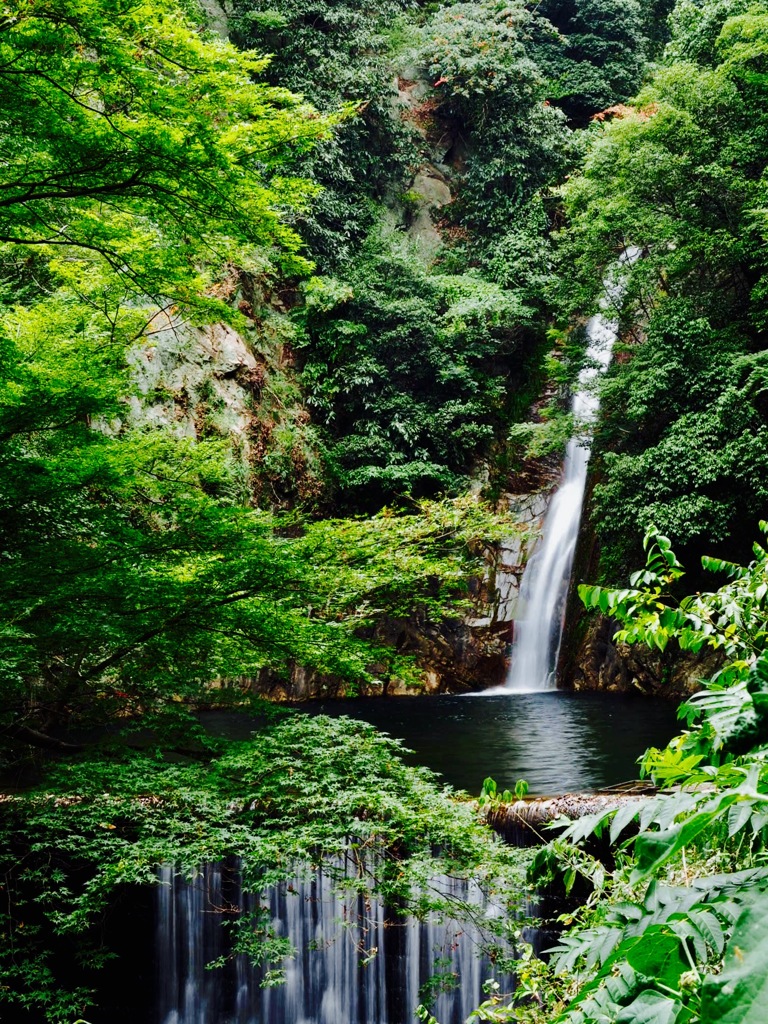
(355, 960)
(544, 586)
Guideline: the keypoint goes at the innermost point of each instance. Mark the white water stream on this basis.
(355, 961)
(544, 587)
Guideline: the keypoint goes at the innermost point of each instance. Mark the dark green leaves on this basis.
(739, 994)
(654, 1008)
(410, 373)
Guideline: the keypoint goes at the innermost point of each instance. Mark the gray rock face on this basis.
(431, 187)
(600, 663)
(529, 509)
(216, 17)
(195, 380)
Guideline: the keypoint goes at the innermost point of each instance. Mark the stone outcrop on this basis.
(196, 381)
(431, 189)
(599, 663)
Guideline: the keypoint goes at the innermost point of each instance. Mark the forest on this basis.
(294, 301)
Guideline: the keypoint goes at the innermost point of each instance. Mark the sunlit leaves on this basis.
(131, 136)
(732, 618)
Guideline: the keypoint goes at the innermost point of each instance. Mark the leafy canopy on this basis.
(129, 133)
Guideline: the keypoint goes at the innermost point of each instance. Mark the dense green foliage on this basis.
(406, 401)
(487, 124)
(601, 51)
(683, 439)
(133, 572)
(153, 178)
(132, 575)
(410, 372)
(129, 135)
(333, 53)
(487, 81)
(301, 790)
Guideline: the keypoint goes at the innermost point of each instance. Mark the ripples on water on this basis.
(558, 742)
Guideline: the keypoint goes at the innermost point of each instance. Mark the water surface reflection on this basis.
(558, 742)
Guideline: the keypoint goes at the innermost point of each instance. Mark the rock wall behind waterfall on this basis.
(590, 659)
(240, 386)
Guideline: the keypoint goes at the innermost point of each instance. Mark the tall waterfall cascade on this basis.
(544, 585)
(355, 960)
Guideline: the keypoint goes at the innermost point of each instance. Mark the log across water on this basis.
(523, 822)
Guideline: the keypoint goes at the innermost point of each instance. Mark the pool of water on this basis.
(558, 742)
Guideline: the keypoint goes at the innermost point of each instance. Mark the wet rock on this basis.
(599, 663)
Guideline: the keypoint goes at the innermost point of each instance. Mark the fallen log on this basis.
(522, 823)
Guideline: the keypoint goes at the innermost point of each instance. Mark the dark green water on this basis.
(558, 742)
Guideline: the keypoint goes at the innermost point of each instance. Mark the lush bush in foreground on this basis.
(676, 932)
(303, 789)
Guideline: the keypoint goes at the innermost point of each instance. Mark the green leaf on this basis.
(622, 818)
(653, 1008)
(710, 928)
(655, 848)
(739, 995)
(657, 954)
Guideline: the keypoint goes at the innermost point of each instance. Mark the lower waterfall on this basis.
(544, 586)
(356, 961)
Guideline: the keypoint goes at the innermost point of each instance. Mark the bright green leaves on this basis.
(302, 789)
(141, 589)
(732, 711)
(743, 47)
(649, 619)
(654, 1008)
(131, 136)
(732, 618)
(655, 849)
(660, 958)
(650, 957)
(657, 954)
(739, 993)
(334, 52)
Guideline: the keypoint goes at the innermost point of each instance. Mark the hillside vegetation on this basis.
(397, 215)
